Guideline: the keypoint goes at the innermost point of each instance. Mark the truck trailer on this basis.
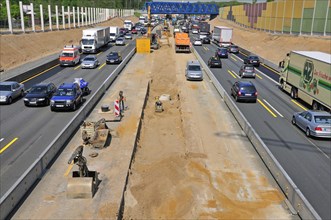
(307, 75)
(113, 32)
(95, 38)
(182, 42)
(222, 35)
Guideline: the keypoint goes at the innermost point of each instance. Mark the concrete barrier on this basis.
(291, 191)
(13, 196)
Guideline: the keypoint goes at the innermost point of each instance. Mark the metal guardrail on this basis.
(291, 191)
(13, 196)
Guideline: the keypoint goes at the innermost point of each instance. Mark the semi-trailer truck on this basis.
(204, 30)
(113, 33)
(95, 38)
(222, 35)
(307, 75)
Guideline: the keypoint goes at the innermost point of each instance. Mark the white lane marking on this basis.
(273, 108)
(268, 77)
(2, 139)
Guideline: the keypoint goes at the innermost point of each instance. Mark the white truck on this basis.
(113, 32)
(222, 35)
(128, 24)
(95, 38)
(307, 75)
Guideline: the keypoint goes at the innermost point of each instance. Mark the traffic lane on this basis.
(288, 145)
(263, 68)
(31, 143)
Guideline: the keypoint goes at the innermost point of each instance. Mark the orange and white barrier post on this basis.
(117, 108)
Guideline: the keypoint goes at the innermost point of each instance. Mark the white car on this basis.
(120, 41)
(195, 31)
(197, 42)
(128, 36)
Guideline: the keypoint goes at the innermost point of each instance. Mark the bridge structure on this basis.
(182, 8)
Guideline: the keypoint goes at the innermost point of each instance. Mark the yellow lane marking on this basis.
(295, 102)
(102, 66)
(207, 48)
(259, 76)
(99, 53)
(8, 145)
(204, 48)
(76, 67)
(232, 74)
(40, 73)
(243, 53)
(69, 168)
(126, 45)
(233, 58)
(269, 68)
(273, 114)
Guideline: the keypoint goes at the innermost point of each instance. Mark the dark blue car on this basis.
(67, 97)
(221, 52)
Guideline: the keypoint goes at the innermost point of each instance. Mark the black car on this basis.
(114, 58)
(122, 33)
(143, 31)
(252, 60)
(39, 94)
(221, 52)
(244, 91)
(206, 40)
(214, 62)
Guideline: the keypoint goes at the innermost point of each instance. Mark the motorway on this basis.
(27, 131)
(306, 160)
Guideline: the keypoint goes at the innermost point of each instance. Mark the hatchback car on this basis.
(128, 36)
(206, 40)
(314, 123)
(233, 49)
(247, 70)
(67, 97)
(252, 60)
(114, 58)
(244, 91)
(90, 62)
(197, 42)
(39, 94)
(193, 70)
(221, 52)
(214, 62)
(10, 90)
(120, 41)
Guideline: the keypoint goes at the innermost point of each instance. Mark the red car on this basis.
(134, 31)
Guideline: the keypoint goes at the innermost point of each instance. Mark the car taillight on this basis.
(318, 129)
(239, 93)
(255, 93)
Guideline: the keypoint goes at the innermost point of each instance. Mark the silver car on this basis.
(90, 62)
(128, 36)
(120, 41)
(247, 70)
(10, 90)
(314, 123)
(193, 70)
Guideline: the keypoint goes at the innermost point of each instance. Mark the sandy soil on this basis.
(18, 49)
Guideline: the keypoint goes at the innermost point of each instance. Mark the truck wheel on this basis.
(315, 106)
(294, 94)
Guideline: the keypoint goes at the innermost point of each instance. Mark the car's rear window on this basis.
(194, 68)
(323, 119)
(250, 89)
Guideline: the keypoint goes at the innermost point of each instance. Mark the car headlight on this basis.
(68, 101)
(41, 99)
(52, 102)
(25, 99)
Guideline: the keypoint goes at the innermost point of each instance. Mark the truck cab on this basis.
(70, 56)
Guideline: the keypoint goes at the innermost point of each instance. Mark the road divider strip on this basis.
(24, 81)
(258, 76)
(273, 108)
(76, 67)
(273, 114)
(8, 145)
(269, 68)
(233, 58)
(298, 104)
(299, 203)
